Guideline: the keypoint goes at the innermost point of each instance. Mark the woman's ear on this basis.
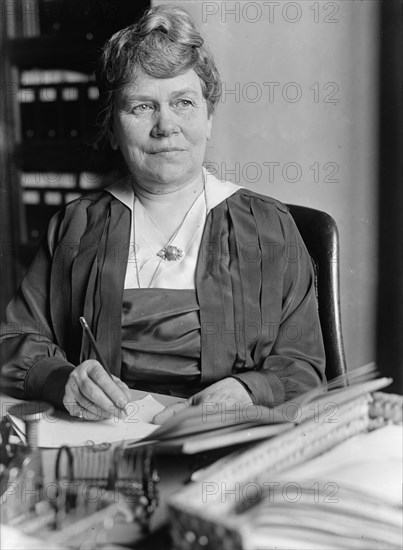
(112, 140)
(209, 126)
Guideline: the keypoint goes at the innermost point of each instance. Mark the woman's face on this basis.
(161, 127)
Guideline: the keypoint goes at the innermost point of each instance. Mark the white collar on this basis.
(216, 190)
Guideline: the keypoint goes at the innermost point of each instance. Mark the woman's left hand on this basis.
(228, 392)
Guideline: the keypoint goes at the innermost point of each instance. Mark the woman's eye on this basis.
(142, 108)
(184, 103)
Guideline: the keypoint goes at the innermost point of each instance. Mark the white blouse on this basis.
(147, 240)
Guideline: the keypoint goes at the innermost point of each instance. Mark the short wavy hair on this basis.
(164, 43)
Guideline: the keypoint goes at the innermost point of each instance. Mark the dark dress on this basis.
(161, 340)
(254, 288)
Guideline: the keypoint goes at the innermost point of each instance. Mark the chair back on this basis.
(320, 235)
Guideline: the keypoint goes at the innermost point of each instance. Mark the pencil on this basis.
(93, 342)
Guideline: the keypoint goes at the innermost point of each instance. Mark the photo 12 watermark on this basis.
(273, 492)
(275, 172)
(270, 92)
(320, 411)
(271, 12)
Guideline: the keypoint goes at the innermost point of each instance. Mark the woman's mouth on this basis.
(168, 152)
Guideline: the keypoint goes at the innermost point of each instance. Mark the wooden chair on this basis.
(321, 237)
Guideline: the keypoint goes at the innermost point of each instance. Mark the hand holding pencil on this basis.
(92, 392)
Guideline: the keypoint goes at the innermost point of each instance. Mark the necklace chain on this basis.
(168, 252)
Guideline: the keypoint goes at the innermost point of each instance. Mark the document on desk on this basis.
(60, 428)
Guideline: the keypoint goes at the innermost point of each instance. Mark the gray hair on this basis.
(164, 43)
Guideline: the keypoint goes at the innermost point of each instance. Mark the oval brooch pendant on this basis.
(170, 253)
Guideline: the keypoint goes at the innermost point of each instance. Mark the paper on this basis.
(375, 456)
(348, 497)
(166, 400)
(60, 428)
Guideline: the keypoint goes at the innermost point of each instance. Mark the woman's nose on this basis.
(165, 125)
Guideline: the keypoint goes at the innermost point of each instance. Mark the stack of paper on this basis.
(349, 497)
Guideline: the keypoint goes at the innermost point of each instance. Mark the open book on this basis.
(210, 426)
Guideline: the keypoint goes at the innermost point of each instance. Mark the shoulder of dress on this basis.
(89, 198)
(269, 201)
(78, 209)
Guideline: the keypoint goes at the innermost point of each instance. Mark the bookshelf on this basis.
(50, 102)
(51, 51)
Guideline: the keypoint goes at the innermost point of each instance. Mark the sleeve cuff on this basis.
(265, 388)
(47, 379)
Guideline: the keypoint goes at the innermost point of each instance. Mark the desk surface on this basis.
(364, 461)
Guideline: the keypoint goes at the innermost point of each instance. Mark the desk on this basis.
(331, 466)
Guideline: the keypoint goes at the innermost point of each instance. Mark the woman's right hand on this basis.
(91, 394)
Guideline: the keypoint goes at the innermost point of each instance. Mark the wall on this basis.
(298, 121)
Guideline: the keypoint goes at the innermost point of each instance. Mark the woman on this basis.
(191, 286)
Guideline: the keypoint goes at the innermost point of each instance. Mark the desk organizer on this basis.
(97, 492)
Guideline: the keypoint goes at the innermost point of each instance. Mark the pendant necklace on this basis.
(169, 252)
